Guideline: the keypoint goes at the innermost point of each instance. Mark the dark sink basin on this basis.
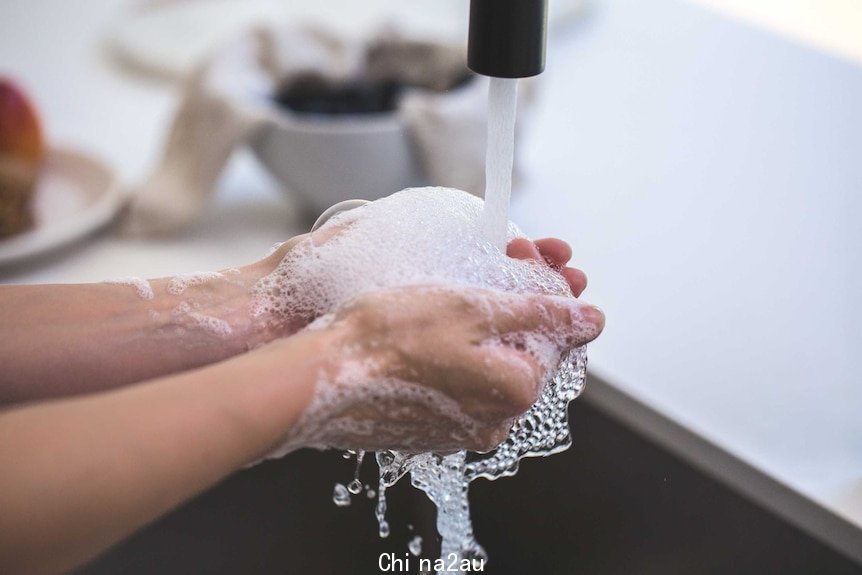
(614, 503)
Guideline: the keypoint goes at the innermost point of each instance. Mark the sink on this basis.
(613, 503)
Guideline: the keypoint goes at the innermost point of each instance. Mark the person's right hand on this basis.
(438, 369)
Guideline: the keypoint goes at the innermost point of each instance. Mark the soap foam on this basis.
(422, 237)
(418, 236)
(326, 417)
(181, 282)
(212, 325)
(186, 315)
(142, 286)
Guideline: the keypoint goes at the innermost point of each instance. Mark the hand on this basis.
(556, 253)
(437, 369)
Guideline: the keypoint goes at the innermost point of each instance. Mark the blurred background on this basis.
(703, 158)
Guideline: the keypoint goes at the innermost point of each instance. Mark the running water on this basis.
(499, 158)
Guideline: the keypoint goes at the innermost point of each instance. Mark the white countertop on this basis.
(708, 175)
(710, 179)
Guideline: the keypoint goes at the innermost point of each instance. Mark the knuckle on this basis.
(491, 438)
(518, 398)
(523, 388)
(523, 399)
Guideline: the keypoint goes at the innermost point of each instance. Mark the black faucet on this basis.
(507, 37)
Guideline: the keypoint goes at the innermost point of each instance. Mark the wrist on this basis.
(273, 386)
(213, 316)
(279, 325)
(208, 315)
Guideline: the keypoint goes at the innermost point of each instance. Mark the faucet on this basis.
(507, 37)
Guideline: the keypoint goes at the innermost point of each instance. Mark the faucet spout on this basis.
(507, 37)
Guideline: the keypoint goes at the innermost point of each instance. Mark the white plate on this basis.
(171, 39)
(75, 195)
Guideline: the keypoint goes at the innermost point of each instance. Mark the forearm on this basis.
(80, 474)
(60, 340)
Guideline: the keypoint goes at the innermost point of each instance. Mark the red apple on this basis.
(20, 130)
(21, 151)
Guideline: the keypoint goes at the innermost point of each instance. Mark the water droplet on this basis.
(384, 530)
(415, 546)
(340, 495)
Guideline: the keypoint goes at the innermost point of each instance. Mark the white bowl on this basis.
(323, 159)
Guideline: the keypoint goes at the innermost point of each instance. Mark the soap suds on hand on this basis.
(181, 282)
(142, 286)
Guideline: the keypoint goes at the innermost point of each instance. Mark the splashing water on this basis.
(355, 486)
(340, 495)
(542, 431)
(415, 546)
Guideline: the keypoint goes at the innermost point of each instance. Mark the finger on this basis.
(338, 223)
(279, 252)
(555, 251)
(292, 243)
(576, 279)
(506, 381)
(569, 321)
(491, 437)
(323, 234)
(523, 249)
(517, 378)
